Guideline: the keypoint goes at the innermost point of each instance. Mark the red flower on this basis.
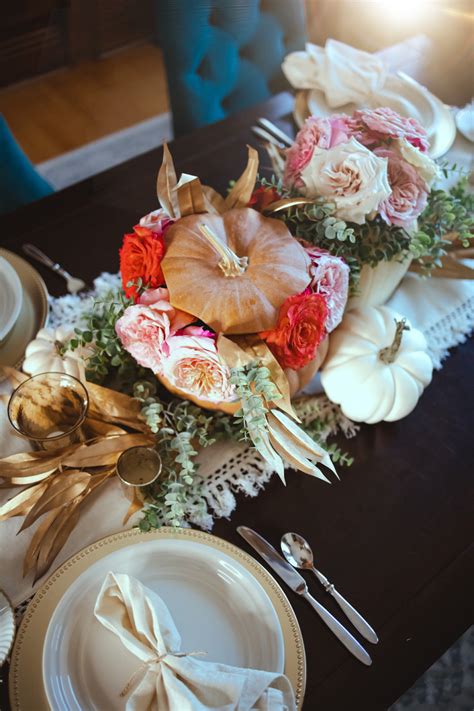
(299, 330)
(262, 198)
(140, 258)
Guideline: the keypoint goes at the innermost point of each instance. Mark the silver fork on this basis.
(73, 284)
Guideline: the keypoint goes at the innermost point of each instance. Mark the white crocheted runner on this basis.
(442, 308)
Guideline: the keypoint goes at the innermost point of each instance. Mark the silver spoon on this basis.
(298, 553)
(73, 284)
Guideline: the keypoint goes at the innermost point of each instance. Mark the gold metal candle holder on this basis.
(138, 467)
(49, 409)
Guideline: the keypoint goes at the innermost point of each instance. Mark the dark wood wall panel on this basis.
(32, 40)
(39, 35)
(123, 22)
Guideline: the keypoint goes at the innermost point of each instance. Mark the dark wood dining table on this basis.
(396, 533)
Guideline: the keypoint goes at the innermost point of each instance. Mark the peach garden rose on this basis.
(194, 366)
(350, 176)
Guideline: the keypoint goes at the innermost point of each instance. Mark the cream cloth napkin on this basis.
(166, 681)
(345, 74)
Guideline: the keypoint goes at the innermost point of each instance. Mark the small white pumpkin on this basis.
(43, 354)
(377, 366)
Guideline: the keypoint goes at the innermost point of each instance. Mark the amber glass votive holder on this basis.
(49, 409)
(138, 467)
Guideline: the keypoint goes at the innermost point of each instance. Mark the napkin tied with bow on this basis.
(168, 678)
(345, 74)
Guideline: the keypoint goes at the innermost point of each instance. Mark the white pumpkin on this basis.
(377, 366)
(43, 354)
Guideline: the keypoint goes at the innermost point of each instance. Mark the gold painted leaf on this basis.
(27, 464)
(242, 191)
(215, 203)
(166, 183)
(21, 503)
(56, 536)
(99, 454)
(114, 407)
(61, 491)
(135, 505)
(94, 428)
(31, 555)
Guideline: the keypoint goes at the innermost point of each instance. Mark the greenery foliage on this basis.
(374, 242)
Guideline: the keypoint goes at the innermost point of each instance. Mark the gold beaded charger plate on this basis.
(33, 313)
(41, 647)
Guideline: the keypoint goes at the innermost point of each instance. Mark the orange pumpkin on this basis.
(233, 271)
(230, 407)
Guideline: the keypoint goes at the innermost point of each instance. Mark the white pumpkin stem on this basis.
(387, 355)
(231, 264)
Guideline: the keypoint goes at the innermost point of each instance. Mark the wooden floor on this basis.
(65, 109)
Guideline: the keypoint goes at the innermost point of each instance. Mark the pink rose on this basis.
(329, 277)
(156, 221)
(379, 125)
(194, 366)
(144, 327)
(409, 191)
(321, 132)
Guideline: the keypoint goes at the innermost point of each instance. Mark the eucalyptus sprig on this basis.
(254, 390)
(99, 334)
(447, 211)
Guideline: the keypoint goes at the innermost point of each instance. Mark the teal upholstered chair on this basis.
(19, 181)
(224, 55)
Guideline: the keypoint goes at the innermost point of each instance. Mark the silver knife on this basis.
(298, 584)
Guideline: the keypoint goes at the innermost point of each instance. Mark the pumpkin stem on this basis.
(387, 355)
(231, 264)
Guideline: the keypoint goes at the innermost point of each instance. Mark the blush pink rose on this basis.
(409, 191)
(144, 328)
(378, 125)
(320, 132)
(329, 277)
(156, 221)
(194, 366)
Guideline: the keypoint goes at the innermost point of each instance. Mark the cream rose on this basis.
(194, 366)
(349, 175)
(425, 166)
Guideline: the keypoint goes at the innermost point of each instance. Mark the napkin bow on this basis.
(169, 679)
(345, 74)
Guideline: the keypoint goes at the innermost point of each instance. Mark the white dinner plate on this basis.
(216, 603)
(33, 314)
(11, 297)
(402, 94)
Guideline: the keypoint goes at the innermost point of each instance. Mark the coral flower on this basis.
(140, 258)
(263, 197)
(300, 329)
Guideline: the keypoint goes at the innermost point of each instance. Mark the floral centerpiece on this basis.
(226, 310)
